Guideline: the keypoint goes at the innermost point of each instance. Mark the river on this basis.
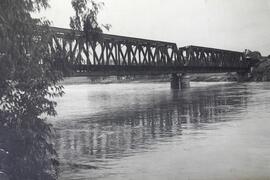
(148, 131)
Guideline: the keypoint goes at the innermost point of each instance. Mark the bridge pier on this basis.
(180, 81)
(242, 76)
(175, 79)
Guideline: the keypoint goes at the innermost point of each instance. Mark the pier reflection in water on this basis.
(135, 119)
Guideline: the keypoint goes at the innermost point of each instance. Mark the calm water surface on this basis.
(147, 131)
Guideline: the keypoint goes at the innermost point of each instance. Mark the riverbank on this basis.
(261, 71)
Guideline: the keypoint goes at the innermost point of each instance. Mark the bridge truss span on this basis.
(211, 57)
(120, 55)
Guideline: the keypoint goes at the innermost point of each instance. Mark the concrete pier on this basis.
(175, 81)
(180, 81)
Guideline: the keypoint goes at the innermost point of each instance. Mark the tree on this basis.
(28, 82)
(85, 19)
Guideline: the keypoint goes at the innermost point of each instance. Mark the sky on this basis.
(224, 24)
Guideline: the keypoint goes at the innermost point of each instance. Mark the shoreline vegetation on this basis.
(29, 84)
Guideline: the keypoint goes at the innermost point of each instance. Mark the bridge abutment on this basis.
(180, 81)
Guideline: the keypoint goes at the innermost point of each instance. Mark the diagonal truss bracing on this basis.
(126, 55)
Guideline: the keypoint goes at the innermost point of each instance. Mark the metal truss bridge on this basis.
(120, 55)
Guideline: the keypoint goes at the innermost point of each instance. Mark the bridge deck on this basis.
(109, 70)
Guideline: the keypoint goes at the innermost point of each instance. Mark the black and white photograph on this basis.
(134, 90)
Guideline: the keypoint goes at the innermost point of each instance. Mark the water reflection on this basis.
(134, 123)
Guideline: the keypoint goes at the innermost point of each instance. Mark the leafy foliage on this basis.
(85, 19)
(27, 76)
(28, 82)
(27, 153)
